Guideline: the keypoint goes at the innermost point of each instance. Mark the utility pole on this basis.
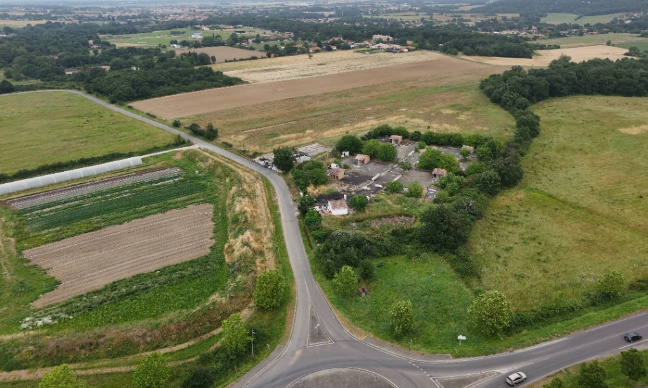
(252, 342)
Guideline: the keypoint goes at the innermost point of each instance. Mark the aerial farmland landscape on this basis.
(314, 194)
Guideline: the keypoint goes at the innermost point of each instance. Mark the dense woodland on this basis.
(44, 51)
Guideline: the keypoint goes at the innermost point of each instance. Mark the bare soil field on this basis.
(92, 260)
(577, 54)
(214, 100)
(223, 53)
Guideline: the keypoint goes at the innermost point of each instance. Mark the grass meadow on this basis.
(591, 40)
(415, 104)
(156, 38)
(640, 43)
(45, 128)
(560, 18)
(581, 209)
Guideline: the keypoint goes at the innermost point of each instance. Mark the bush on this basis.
(490, 313)
(394, 187)
(153, 372)
(402, 318)
(269, 290)
(345, 282)
(359, 202)
(414, 190)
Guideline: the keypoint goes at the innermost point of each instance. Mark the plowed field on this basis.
(92, 260)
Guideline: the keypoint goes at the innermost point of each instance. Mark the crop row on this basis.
(90, 187)
(119, 202)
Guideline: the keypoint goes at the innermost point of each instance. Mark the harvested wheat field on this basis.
(214, 100)
(93, 260)
(577, 54)
(301, 66)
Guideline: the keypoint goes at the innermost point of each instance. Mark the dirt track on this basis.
(189, 104)
(93, 260)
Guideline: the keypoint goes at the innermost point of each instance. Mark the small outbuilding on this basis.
(338, 207)
(438, 173)
(362, 159)
(336, 173)
(395, 139)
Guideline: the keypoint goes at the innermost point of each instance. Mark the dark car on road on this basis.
(632, 337)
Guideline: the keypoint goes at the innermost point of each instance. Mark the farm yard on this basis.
(92, 260)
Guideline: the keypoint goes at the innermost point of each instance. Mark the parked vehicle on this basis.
(516, 378)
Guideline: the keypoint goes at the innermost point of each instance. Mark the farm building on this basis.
(395, 139)
(438, 173)
(338, 207)
(362, 159)
(336, 173)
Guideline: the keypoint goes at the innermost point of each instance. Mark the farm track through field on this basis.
(93, 260)
(189, 104)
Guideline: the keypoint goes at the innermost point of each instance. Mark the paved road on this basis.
(318, 341)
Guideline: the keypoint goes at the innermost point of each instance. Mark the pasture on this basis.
(156, 38)
(592, 40)
(560, 18)
(640, 43)
(48, 127)
(581, 209)
(225, 53)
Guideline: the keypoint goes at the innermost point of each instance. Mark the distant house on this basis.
(196, 35)
(338, 207)
(384, 38)
(362, 159)
(336, 173)
(471, 148)
(395, 139)
(438, 173)
(71, 70)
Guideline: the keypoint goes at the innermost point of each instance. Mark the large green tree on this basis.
(269, 290)
(349, 143)
(592, 375)
(153, 372)
(386, 152)
(60, 377)
(490, 313)
(633, 364)
(402, 318)
(444, 227)
(235, 336)
(283, 158)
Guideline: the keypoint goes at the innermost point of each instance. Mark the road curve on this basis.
(319, 342)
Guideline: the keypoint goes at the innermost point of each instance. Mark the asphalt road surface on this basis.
(321, 353)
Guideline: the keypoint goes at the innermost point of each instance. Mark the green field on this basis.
(156, 38)
(581, 209)
(45, 128)
(640, 43)
(560, 18)
(590, 40)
